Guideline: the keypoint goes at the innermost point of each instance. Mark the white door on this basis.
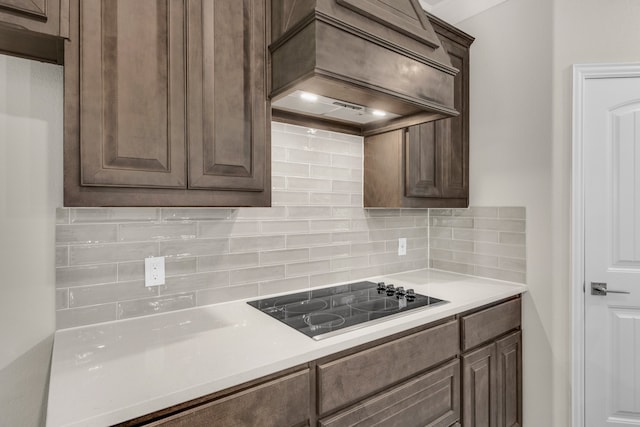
(611, 144)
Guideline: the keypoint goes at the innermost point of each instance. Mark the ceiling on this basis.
(456, 11)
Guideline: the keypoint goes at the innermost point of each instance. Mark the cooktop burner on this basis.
(325, 312)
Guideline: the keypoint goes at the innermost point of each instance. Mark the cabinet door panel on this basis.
(478, 385)
(344, 381)
(132, 93)
(509, 380)
(454, 132)
(422, 168)
(227, 109)
(281, 402)
(488, 324)
(432, 399)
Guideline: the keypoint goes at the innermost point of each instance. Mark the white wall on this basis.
(521, 155)
(511, 164)
(30, 190)
(585, 31)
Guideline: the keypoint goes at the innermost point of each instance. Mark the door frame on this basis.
(582, 73)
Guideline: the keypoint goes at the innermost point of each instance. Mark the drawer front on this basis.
(483, 326)
(344, 381)
(432, 399)
(278, 403)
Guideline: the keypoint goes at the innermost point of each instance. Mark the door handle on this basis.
(600, 288)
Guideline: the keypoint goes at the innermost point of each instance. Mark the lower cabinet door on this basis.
(479, 385)
(509, 380)
(431, 399)
(282, 402)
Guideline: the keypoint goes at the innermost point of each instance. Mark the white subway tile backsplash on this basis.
(308, 240)
(284, 198)
(475, 235)
(135, 232)
(85, 315)
(310, 157)
(257, 274)
(284, 256)
(329, 278)
(86, 233)
(348, 263)
(290, 169)
(86, 275)
(500, 224)
(494, 247)
(311, 212)
(145, 307)
(111, 215)
(310, 184)
(62, 256)
(284, 285)
(306, 268)
(344, 161)
(191, 248)
(316, 233)
(62, 299)
(111, 252)
(285, 227)
(192, 282)
(196, 214)
(329, 199)
(330, 225)
(81, 296)
(512, 212)
(227, 228)
(332, 251)
(62, 216)
(228, 261)
(220, 295)
(256, 243)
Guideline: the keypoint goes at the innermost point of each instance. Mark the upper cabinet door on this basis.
(455, 131)
(423, 161)
(132, 93)
(227, 110)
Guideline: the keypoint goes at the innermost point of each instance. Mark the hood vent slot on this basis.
(380, 59)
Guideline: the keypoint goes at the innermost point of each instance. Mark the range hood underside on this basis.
(323, 57)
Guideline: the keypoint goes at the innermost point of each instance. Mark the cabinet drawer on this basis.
(432, 399)
(483, 326)
(278, 403)
(344, 381)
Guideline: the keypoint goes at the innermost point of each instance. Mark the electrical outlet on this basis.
(154, 271)
(402, 246)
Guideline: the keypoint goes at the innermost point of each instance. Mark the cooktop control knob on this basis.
(381, 287)
(400, 293)
(411, 295)
(391, 290)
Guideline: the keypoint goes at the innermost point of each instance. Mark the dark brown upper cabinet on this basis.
(166, 104)
(425, 165)
(34, 29)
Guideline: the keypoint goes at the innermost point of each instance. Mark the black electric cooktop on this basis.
(321, 313)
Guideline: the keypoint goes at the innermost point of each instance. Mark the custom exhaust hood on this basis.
(359, 66)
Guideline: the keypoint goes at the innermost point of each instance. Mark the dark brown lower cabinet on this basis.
(431, 399)
(282, 402)
(492, 384)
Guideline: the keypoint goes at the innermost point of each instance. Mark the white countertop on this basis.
(116, 371)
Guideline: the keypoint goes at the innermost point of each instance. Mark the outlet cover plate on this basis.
(154, 271)
(402, 246)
